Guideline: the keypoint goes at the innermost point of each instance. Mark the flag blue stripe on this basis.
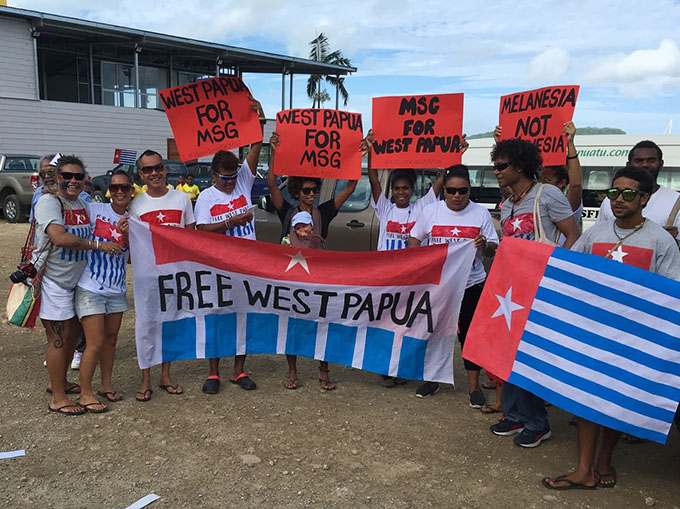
(608, 318)
(262, 330)
(619, 270)
(586, 412)
(623, 375)
(301, 337)
(178, 339)
(602, 343)
(340, 343)
(412, 358)
(594, 388)
(607, 292)
(220, 335)
(378, 350)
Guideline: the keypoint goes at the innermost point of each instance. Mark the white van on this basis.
(599, 155)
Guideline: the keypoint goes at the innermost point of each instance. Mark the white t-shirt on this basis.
(658, 208)
(171, 209)
(441, 225)
(215, 206)
(105, 274)
(396, 223)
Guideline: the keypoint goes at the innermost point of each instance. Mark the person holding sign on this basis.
(305, 190)
(226, 208)
(457, 219)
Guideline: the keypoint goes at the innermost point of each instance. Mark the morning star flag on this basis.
(203, 295)
(122, 156)
(593, 336)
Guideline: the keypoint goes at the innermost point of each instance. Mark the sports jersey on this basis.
(105, 274)
(215, 206)
(172, 209)
(192, 191)
(395, 222)
(441, 225)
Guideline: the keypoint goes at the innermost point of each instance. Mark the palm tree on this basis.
(319, 51)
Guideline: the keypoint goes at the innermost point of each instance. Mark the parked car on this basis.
(18, 180)
(101, 182)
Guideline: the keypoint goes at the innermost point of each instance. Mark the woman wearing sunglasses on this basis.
(457, 219)
(101, 294)
(62, 220)
(305, 190)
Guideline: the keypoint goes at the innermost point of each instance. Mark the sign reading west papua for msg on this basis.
(208, 296)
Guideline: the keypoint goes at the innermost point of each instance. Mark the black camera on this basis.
(26, 270)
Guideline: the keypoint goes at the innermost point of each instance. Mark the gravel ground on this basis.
(359, 446)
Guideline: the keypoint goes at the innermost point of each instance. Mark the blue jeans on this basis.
(522, 406)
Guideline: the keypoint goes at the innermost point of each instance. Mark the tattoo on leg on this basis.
(58, 329)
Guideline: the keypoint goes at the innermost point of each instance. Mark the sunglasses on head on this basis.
(228, 178)
(500, 166)
(149, 169)
(628, 194)
(114, 188)
(67, 175)
(309, 190)
(460, 190)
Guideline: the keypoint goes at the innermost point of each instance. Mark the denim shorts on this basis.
(90, 303)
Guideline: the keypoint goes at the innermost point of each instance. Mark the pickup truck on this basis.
(18, 180)
(100, 183)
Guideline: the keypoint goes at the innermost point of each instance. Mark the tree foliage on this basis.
(320, 51)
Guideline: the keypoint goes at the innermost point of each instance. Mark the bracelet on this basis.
(97, 244)
(227, 223)
(573, 157)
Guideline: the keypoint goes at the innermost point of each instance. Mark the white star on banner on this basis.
(160, 216)
(455, 231)
(115, 234)
(618, 254)
(403, 229)
(515, 224)
(506, 307)
(298, 259)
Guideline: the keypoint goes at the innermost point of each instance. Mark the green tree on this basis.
(320, 51)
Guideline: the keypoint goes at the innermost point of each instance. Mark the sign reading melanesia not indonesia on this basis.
(417, 131)
(319, 143)
(211, 115)
(538, 116)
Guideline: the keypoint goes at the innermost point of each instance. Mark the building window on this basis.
(118, 84)
(191, 77)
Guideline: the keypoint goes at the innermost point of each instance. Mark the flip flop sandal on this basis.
(60, 410)
(244, 382)
(72, 389)
(95, 410)
(146, 396)
(609, 475)
(487, 410)
(211, 384)
(166, 387)
(571, 485)
(291, 383)
(112, 396)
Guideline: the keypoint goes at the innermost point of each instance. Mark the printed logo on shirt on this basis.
(76, 222)
(228, 209)
(76, 217)
(520, 226)
(396, 235)
(639, 257)
(166, 217)
(450, 233)
(107, 231)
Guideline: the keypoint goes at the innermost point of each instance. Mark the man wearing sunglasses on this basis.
(660, 207)
(632, 239)
(167, 207)
(226, 208)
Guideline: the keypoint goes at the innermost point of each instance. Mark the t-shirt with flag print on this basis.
(65, 265)
(105, 274)
(215, 206)
(395, 222)
(650, 248)
(172, 209)
(441, 225)
(518, 221)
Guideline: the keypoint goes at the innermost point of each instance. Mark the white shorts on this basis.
(56, 303)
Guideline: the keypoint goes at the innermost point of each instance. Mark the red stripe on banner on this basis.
(518, 224)
(225, 208)
(76, 217)
(461, 232)
(401, 267)
(108, 231)
(509, 292)
(402, 228)
(162, 217)
(630, 255)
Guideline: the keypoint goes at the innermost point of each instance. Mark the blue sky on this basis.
(625, 54)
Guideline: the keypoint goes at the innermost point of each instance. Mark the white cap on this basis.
(302, 218)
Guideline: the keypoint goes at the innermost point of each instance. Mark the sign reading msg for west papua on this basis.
(319, 143)
(539, 116)
(211, 115)
(417, 131)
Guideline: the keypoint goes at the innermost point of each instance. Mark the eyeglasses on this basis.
(628, 194)
(146, 170)
(114, 188)
(228, 178)
(460, 190)
(309, 190)
(47, 173)
(500, 166)
(66, 175)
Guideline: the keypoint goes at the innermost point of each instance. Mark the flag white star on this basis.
(455, 231)
(230, 206)
(160, 216)
(515, 224)
(298, 258)
(403, 228)
(618, 254)
(506, 307)
(114, 233)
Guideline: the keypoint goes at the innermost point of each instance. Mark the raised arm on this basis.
(274, 191)
(341, 197)
(254, 154)
(575, 191)
(376, 188)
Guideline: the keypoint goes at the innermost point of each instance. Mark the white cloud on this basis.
(550, 65)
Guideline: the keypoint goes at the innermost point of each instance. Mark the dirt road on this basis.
(359, 446)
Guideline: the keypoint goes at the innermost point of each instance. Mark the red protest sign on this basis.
(211, 115)
(319, 143)
(417, 131)
(539, 116)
